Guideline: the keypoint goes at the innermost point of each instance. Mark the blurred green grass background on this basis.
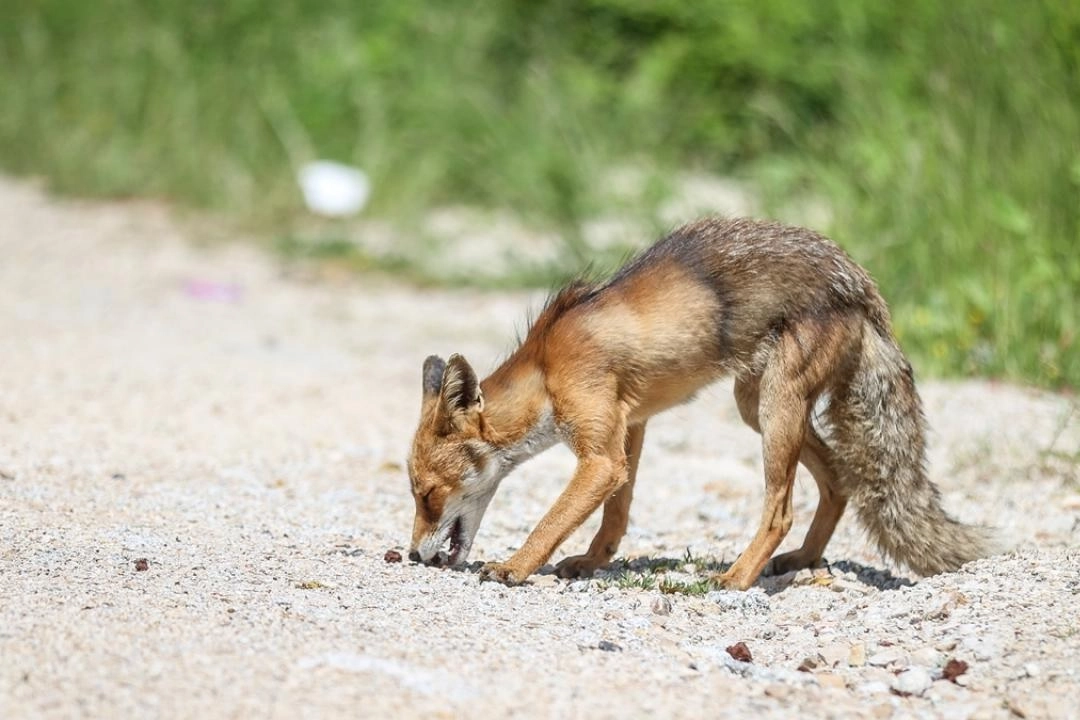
(943, 138)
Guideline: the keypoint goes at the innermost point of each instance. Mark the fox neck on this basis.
(518, 414)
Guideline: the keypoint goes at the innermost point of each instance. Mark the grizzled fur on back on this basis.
(764, 275)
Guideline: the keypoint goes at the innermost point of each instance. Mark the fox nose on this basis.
(414, 556)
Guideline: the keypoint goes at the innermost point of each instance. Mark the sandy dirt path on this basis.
(240, 435)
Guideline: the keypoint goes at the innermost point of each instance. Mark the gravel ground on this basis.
(201, 471)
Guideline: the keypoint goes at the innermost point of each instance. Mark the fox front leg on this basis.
(616, 517)
(596, 478)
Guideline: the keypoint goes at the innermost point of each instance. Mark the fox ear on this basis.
(434, 366)
(460, 390)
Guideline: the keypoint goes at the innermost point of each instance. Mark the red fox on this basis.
(782, 309)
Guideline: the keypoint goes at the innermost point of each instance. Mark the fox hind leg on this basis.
(616, 517)
(817, 458)
(778, 404)
(783, 429)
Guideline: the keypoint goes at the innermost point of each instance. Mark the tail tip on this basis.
(960, 545)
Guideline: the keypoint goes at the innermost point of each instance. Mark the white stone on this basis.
(927, 656)
(914, 681)
(661, 605)
(889, 656)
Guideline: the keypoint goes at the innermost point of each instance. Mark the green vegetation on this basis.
(688, 575)
(943, 138)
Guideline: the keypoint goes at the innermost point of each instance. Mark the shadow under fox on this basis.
(781, 308)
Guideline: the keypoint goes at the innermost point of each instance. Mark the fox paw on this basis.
(501, 573)
(729, 581)
(577, 566)
(790, 562)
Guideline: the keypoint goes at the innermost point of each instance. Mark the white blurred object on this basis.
(333, 189)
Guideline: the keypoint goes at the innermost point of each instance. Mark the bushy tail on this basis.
(878, 435)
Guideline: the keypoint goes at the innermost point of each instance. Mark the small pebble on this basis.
(884, 658)
(392, 556)
(857, 655)
(914, 681)
(661, 605)
(740, 652)
(927, 657)
(607, 646)
(142, 564)
(954, 669)
(811, 663)
(832, 680)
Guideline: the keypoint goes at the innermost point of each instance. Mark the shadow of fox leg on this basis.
(616, 517)
(818, 459)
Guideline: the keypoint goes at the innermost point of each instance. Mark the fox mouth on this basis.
(457, 542)
(451, 540)
(459, 547)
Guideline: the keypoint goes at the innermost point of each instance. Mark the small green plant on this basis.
(679, 587)
(668, 575)
(635, 581)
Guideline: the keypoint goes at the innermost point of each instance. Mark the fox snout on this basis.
(445, 538)
(429, 540)
(435, 560)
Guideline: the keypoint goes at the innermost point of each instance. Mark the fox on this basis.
(818, 374)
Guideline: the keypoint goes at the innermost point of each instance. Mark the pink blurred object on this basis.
(211, 291)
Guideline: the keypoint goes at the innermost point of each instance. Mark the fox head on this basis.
(453, 470)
